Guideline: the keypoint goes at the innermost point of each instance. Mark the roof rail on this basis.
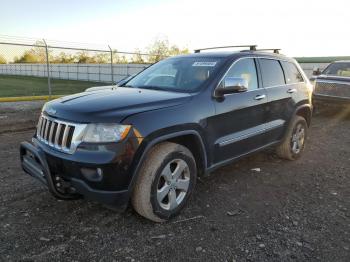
(251, 47)
(275, 50)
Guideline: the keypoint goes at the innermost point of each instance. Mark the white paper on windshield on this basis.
(204, 64)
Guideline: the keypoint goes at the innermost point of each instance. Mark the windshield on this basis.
(183, 74)
(338, 69)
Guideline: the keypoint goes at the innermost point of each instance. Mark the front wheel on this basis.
(165, 182)
(293, 144)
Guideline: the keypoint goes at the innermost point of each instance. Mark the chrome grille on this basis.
(61, 135)
(332, 89)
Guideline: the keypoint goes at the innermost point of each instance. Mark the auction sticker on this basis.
(204, 64)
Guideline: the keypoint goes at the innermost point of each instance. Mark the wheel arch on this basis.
(191, 139)
(304, 111)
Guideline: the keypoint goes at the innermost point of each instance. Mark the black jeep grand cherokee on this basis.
(146, 141)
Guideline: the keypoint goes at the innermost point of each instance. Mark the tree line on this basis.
(157, 51)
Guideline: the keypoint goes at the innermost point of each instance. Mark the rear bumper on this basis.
(45, 167)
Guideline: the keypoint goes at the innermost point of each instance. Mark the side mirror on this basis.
(232, 85)
(316, 71)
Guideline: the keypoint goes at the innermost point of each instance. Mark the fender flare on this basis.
(308, 106)
(293, 115)
(160, 139)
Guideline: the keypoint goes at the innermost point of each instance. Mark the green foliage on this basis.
(63, 58)
(158, 50)
(137, 58)
(28, 57)
(36, 54)
(2, 60)
(103, 58)
(122, 60)
(161, 49)
(175, 50)
(84, 58)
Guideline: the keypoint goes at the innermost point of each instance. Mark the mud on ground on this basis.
(287, 211)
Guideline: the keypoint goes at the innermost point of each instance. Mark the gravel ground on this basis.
(19, 115)
(258, 209)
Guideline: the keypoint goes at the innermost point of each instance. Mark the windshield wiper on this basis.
(153, 88)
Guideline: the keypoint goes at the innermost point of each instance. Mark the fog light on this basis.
(92, 174)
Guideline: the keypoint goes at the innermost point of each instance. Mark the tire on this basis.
(293, 145)
(157, 176)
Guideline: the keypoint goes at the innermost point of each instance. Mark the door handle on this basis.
(290, 91)
(259, 97)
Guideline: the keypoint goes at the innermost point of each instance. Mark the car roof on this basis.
(238, 54)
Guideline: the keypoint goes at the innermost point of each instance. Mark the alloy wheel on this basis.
(173, 184)
(298, 139)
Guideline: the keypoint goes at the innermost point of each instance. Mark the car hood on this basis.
(100, 88)
(111, 106)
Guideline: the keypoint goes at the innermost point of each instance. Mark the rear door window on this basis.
(272, 73)
(292, 73)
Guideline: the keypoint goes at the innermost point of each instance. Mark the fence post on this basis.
(99, 72)
(48, 68)
(112, 71)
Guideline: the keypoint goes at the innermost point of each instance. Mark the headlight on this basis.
(96, 133)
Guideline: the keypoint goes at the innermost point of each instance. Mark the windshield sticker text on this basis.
(204, 64)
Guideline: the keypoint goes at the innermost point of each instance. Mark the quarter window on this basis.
(246, 69)
(292, 73)
(272, 73)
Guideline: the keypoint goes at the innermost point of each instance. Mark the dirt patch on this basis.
(19, 116)
(258, 209)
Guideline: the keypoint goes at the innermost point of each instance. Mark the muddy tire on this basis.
(165, 182)
(293, 143)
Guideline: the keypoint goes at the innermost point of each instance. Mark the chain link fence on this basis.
(32, 67)
(41, 68)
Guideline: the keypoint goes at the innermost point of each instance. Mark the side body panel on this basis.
(238, 126)
(281, 106)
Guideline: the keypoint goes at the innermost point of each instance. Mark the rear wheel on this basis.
(293, 144)
(165, 182)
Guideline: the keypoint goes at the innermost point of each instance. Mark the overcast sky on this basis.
(300, 28)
